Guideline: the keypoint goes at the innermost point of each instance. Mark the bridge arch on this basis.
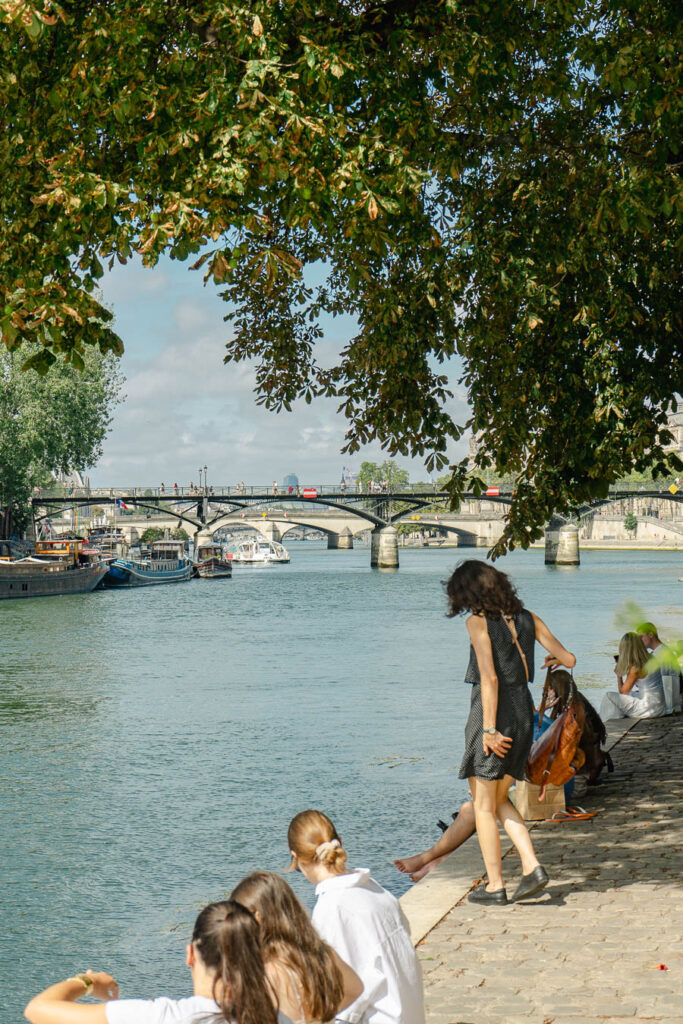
(85, 503)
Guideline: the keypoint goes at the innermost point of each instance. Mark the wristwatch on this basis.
(490, 731)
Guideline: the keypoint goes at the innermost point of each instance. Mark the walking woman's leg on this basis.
(513, 824)
(484, 799)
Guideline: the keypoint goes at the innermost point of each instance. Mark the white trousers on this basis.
(623, 705)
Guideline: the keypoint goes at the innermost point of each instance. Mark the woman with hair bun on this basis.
(362, 922)
(312, 983)
(225, 958)
(499, 728)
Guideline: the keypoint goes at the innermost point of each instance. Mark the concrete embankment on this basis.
(589, 947)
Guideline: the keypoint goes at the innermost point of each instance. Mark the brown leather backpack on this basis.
(555, 757)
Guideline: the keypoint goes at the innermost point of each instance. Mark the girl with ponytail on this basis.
(225, 958)
(362, 922)
(311, 981)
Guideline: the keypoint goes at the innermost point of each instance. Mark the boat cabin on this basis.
(208, 551)
(66, 549)
(167, 550)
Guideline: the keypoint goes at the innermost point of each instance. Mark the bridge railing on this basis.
(225, 491)
(277, 490)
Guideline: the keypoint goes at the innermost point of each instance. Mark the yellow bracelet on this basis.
(87, 981)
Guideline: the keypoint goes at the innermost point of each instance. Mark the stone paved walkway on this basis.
(586, 949)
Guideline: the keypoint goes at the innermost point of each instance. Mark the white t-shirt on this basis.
(193, 1010)
(366, 926)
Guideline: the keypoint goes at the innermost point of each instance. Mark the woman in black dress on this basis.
(499, 728)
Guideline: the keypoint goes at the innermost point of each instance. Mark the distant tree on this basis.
(180, 534)
(388, 470)
(151, 534)
(630, 522)
(56, 422)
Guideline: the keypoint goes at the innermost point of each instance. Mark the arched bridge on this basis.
(339, 514)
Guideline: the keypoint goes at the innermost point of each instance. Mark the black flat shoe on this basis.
(497, 898)
(531, 883)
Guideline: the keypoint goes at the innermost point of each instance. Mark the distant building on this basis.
(475, 447)
(675, 425)
(348, 477)
(71, 479)
(291, 480)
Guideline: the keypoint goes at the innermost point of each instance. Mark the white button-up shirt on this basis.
(366, 926)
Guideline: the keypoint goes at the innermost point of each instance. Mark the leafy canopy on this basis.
(497, 179)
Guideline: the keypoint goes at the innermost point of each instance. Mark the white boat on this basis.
(258, 552)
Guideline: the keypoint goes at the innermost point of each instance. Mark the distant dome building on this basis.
(291, 480)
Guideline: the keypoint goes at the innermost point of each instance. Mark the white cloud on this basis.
(185, 408)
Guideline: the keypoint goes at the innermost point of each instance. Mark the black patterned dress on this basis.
(515, 714)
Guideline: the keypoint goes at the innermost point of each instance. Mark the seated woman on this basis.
(225, 957)
(363, 922)
(311, 982)
(561, 690)
(641, 695)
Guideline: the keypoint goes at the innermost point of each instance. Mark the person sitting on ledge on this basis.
(641, 695)
(362, 922)
(456, 834)
(225, 958)
(311, 982)
(561, 690)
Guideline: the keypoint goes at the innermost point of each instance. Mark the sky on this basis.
(184, 408)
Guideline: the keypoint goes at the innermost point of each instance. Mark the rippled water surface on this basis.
(154, 743)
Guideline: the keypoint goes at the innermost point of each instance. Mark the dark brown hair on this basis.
(562, 683)
(289, 937)
(477, 587)
(228, 939)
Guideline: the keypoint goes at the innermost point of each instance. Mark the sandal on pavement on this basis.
(532, 883)
(571, 814)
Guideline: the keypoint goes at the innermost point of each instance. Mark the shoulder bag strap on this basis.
(510, 623)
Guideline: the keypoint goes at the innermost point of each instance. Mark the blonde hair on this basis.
(632, 654)
(289, 937)
(313, 839)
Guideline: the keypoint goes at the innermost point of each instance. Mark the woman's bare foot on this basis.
(409, 864)
(417, 875)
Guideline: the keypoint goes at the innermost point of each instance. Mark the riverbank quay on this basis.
(589, 948)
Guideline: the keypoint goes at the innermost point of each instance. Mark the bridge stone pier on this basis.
(271, 531)
(384, 548)
(343, 540)
(562, 544)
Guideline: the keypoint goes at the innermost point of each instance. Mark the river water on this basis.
(154, 743)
